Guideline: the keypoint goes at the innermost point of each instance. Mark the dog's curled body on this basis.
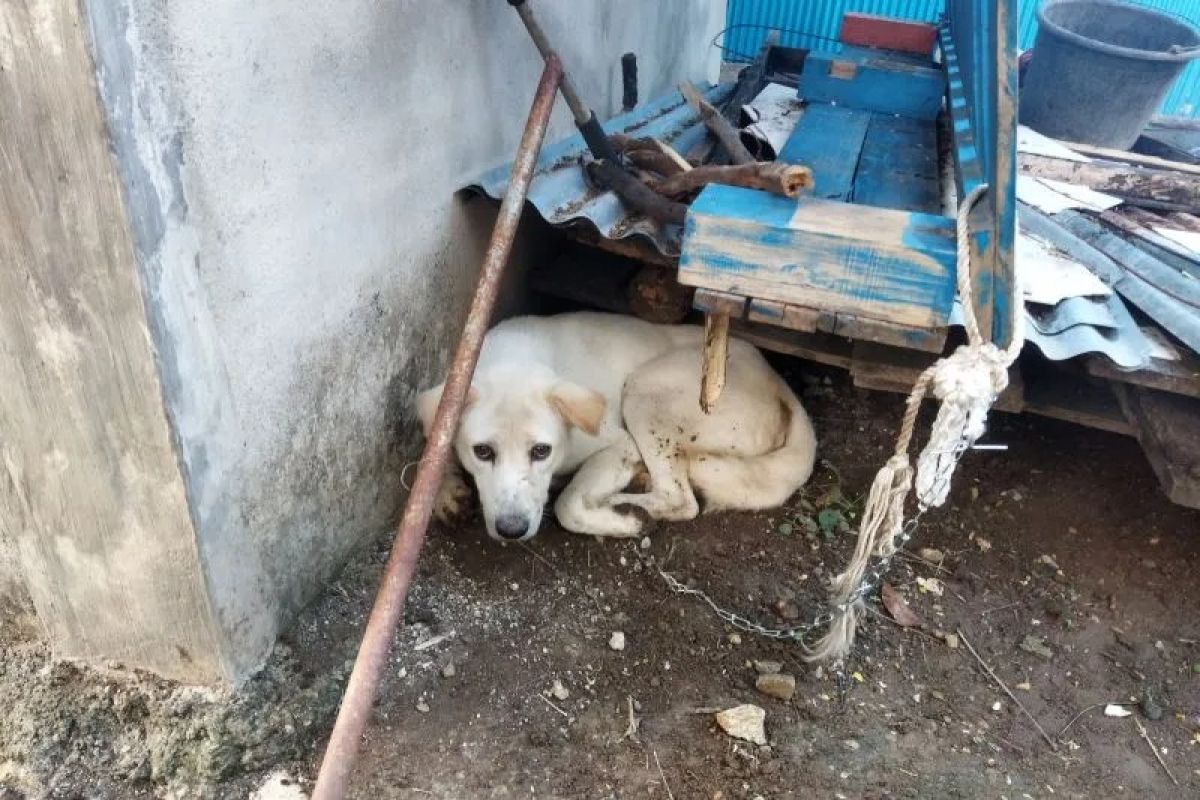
(603, 397)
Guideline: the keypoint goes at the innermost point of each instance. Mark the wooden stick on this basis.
(651, 153)
(1141, 729)
(720, 127)
(1007, 691)
(663, 775)
(716, 354)
(781, 179)
(1125, 156)
(634, 193)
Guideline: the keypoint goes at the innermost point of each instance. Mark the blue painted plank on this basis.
(869, 83)
(828, 140)
(898, 167)
(837, 257)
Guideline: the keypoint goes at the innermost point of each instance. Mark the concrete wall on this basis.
(92, 499)
(289, 174)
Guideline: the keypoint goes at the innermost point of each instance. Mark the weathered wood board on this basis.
(877, 263)
(1168, 428)
(872, 81)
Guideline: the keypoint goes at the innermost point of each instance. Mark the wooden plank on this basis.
(1128, 157)
(787, 315)
(870, 30)
(1180, 376)
(1162, 188)
(92, 490)
(1168, 428)
(892, 369)
(873, 82)
(713, 302)
(828, 140)
(888, 265)
(819, 347)
(898, 168)
(1058, 395)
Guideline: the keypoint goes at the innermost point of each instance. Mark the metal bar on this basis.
(355, 712)
(585, 118)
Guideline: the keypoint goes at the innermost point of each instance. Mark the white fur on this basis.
(545, 380)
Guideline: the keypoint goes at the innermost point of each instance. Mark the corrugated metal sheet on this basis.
(814, 24)
(811, 24)
(563, 197)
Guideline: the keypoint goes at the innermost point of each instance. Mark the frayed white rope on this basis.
(967, 382)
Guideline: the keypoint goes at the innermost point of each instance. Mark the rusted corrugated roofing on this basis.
(563, 197)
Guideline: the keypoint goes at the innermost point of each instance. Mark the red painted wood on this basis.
(868, 30)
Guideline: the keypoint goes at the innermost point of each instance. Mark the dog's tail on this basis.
(753, 483)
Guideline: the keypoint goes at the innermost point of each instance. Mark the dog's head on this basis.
(512, 438)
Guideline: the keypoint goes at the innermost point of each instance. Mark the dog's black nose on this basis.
(512, 527)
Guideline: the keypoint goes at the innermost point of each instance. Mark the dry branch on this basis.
(781, 179)
(720, 127)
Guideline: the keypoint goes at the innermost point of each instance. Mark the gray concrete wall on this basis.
(93, 511)
(290, 173)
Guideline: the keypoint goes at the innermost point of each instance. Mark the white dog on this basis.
(605, 397)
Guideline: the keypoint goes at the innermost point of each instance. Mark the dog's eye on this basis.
(484, 452)
(539, 452)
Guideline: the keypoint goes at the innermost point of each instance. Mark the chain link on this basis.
(946, 463)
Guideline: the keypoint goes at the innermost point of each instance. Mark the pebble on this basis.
(449, 671)
(932, 555)
(559, 691)
(777, 685)
(645, 542)
(422, 706)
(768, 667)
(852, 745)
(1150, 707)
(617, 640)
(735, 638)
(746, 722)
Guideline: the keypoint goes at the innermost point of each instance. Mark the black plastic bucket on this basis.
(1101, 69)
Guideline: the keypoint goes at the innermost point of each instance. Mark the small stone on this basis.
(768, 667)
(787, 610)
(852, 745)
(996, 706)
(559, 691)
(1150, 707)
(645, 542)
(1037, 646)
(449, 671)
(1025, 686)
(932, 555)
(735, 638)
(746, 722)
(983, 544)
(617, 641)
(777, 685)
(974, 492)
(951, 640)
(422, 706)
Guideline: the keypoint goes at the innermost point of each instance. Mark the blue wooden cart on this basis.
(870, 256)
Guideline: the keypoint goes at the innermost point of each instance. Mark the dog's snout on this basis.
(512, 526)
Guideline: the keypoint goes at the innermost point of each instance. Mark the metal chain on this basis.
(947, 462)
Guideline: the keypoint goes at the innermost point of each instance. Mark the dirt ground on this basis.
(1063, 566)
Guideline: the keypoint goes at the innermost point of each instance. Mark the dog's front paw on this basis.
(453, 498)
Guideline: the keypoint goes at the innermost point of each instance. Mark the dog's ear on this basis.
(427, 403)
(579, 406)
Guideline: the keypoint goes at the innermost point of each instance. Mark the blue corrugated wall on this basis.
(814, 24)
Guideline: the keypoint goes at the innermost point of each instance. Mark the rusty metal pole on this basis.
(359, 698)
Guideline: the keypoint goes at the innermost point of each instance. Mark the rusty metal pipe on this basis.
(355, 711)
